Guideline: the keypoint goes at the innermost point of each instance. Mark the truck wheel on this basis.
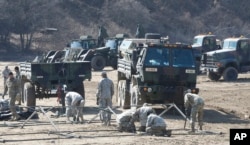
(29, 95)
(119, 95)
(125, 96)
(136, 101)
(230, 74)
(213, 76)
(98, 63)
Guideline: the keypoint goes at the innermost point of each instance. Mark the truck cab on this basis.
(233, 58)
(152, 72)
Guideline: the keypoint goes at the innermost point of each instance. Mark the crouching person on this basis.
(74, 105)
(156, 125)
(141, 113)
(125, 122)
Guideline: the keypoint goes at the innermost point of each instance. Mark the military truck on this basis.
(204, 43)
(41, 80)
(152, 72)
(233, 58)
(103, 56)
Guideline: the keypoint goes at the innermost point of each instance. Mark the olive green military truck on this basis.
(153, 72)
(41, 80)
(233, 58)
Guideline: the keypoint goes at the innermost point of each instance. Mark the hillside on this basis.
(180, 20)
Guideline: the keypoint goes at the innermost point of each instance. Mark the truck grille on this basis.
(210, 61)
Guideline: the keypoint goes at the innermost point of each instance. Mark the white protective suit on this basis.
(74, 105)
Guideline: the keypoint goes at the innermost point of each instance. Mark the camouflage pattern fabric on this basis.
(125, 121)
(5, 74)
(13, 88)
(142, 114)
(197, 104)
(105, 91)
(155, 125)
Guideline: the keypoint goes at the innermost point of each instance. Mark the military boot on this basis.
(200, 127)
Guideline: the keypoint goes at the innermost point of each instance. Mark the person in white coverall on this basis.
(74, 103)
(197, 104)
(141, 114)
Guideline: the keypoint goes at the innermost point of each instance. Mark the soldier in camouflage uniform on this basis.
(142, 115)
(197, 104)
(104, 94)
(125, 121)
(5, 74)
(13, 88)
(156, 125)
(18, 77)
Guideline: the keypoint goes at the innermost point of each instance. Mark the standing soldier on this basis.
(197, 104)
(104, 94)
(13, 88)
(18, 77)
(156, 125)
(141, 113)
(5, 74)
(74, 105)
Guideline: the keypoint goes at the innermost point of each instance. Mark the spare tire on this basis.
(98, 63)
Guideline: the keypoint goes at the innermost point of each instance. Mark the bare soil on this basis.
(227, 106)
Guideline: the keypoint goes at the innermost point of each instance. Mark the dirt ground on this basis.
(227, 106)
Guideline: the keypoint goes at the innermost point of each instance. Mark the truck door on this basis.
(243, 51)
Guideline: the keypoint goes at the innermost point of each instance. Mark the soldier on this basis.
(125, 122)
(141, 113)
(156, 125)
(5, 74)
(18, 77)
(13, 87)
(104, 94)
(197, 104)
(74, 105)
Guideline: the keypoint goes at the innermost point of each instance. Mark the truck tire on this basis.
(125, 97)
(29, 95)
(213, 76)
(230, 74)
(98, 63)
(136, 100)
(119, 95)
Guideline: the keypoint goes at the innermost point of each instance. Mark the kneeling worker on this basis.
(156, 125)
(141, 113)
(74, 105)
(125, 121)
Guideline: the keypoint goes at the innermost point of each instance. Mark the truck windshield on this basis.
(111, 44)
(157, 57)
(183, 58)
(197, 41)
(228, 44)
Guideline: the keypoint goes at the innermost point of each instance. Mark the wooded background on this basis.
(23, 23)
